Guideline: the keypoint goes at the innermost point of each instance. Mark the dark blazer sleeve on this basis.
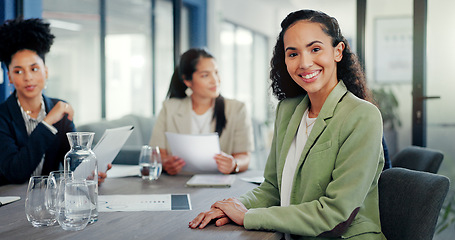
(20, 154)
(56, 153)
(387, 163)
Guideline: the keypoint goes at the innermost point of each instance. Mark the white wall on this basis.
(265, 16)
(344, 11)
(262, 16)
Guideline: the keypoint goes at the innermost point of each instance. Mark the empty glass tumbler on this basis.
(36, 210)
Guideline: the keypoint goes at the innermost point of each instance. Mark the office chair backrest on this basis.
(410, 202)
(418, 158)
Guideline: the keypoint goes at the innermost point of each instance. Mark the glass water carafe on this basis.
(81, 160)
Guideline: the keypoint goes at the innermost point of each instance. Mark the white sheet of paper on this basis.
(110, 144)
(121, 170)
(197, 150)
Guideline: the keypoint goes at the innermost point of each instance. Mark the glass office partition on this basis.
(128, 58)
(164, 51)
(440, 72)
(388, 63)
(164, 60)
(226, 60)
(260, 80)
(244, 68)
(73, 62)
(440, 81)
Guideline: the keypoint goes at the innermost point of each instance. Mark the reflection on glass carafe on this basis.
(81, 160)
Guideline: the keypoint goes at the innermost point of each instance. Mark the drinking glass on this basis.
(156, 163)
(150, 162)
(55, 178)
(35, 207)
(73, 204)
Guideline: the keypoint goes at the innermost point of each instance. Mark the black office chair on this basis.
(418, 158)
(410, 202)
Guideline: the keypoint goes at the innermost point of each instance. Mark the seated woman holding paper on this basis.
(195, 106)
(33, 126)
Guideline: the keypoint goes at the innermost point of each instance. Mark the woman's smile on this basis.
(309, 77)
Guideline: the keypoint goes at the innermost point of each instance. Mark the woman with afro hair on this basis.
(33, 126)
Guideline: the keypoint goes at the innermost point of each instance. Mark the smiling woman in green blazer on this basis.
(321, 177)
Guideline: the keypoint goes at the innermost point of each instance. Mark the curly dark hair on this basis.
(19, 34)
(348, 69)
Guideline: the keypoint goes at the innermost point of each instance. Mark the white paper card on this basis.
(198, 151)
(121, 170)
(110, 144)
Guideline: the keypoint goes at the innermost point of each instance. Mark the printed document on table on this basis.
(198, 150)
(110, 144)
(144, 202)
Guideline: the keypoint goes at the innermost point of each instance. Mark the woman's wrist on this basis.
(236, 166)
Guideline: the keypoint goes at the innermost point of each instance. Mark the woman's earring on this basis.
(188, 92)
(10, 88)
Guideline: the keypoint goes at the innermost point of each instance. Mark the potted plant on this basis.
(447, 214)
(388, 106)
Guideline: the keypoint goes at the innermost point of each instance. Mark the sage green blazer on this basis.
(335, 188)
(175, 116)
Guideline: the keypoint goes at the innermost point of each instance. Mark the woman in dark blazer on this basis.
(33, 127)
(21, 153)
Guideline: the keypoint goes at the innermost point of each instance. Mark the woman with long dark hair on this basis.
(195, 106)
(321, 177)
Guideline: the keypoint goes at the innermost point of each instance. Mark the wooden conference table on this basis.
(136, 225)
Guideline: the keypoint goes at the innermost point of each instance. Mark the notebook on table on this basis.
(211, 180)
(9, 199)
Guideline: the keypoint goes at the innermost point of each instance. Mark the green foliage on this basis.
(388, 105)
(447, 215)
